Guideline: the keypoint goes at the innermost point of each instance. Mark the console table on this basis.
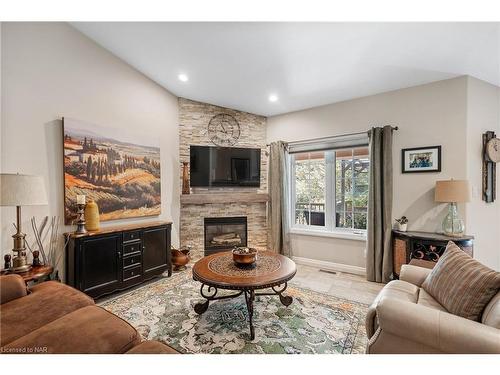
(115, 258)
(423, 245)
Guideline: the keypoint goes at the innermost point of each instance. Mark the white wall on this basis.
(427, 115)
(50, 70)
(483, 114)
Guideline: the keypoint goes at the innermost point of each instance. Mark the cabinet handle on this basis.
(119, 254)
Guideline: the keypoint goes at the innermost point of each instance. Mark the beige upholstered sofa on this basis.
(404, 318)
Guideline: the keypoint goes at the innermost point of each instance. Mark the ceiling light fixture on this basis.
(273, 98)
(183, 77)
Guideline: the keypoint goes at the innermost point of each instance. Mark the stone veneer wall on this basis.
(193, 122)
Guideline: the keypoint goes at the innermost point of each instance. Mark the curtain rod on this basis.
(322, 138)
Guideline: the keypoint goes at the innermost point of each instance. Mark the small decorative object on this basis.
(7, 264)
(180, 258)
(125, 163)
(92, 215)
(491, 156)
(223, 130)
(452, 192)
(21, 190)
(402, 223)
(80, 214)
(244, 256)
(36, 258)
(185, 178)
(421, 159)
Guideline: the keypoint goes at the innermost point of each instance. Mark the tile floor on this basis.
(340, 284)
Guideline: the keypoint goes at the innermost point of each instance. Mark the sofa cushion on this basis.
(12, 287)
(491, 313)
(425, 299)
(89, 330)
(152, 347)
(462, 285)
(47, 302)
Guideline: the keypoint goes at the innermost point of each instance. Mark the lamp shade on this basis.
(452, 191)
(22, 190)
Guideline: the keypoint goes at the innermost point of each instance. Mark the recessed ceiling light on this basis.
(183, 77)
(273, 98)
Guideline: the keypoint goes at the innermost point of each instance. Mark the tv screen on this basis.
(224, 166)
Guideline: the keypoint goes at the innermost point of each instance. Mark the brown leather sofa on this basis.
(404, 318)
(55, 318)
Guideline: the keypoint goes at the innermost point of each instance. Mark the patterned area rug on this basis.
(313, 323)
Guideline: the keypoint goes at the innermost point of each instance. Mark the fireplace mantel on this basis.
(226, 197)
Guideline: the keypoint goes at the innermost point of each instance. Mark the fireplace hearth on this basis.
(224, 233)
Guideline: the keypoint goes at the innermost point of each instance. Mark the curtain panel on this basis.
(379, 261)
(278, 182)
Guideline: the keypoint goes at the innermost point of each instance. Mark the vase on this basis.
(402, 227)
(91, 215)
(185, 178)
(180, 258)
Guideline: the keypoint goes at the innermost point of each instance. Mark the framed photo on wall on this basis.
(421, 159)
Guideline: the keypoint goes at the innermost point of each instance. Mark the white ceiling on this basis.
(238, 65)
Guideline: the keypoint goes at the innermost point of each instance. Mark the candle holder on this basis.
(80, 223)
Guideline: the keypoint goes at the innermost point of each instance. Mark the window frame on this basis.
(329, 229)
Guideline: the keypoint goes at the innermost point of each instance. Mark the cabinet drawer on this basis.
(132, 260)
(131, 236)
(131, 248)
(131, 273)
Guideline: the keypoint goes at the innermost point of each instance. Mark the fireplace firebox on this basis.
(224, 233)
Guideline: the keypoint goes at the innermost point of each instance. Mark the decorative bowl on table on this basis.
(244, 256)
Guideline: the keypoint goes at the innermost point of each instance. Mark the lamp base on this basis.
(20, 269)
(453, 225)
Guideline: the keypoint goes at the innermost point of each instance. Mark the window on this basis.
(330, 189)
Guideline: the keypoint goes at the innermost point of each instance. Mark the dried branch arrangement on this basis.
(47, 241)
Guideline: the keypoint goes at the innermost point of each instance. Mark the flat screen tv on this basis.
(224, 166)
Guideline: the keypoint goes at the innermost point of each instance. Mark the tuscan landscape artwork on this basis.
(118, 169)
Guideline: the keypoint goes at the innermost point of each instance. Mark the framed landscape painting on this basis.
(117, 168)
(421, 159)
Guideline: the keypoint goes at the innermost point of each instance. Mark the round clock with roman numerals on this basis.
(223, 130)
(493, 150)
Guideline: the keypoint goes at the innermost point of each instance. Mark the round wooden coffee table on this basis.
(218, 271)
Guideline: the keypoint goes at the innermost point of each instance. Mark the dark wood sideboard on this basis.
(115, 258)
(423, 245)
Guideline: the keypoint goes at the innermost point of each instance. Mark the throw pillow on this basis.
(462, 285)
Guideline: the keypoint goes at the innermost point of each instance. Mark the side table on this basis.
(35, 273)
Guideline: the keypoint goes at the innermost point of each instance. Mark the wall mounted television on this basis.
(224, 166)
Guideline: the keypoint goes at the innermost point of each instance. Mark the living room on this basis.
(249, 188)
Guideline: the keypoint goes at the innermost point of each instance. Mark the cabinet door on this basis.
(154, 252)
(100, 264)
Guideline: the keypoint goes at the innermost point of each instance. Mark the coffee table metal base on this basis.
(211, 295)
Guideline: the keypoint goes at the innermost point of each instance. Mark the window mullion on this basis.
(330, 190)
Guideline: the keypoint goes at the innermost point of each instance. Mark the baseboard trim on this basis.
(330, 266)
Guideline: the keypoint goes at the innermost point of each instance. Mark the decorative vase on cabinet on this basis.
(185, 178)
(92, 216)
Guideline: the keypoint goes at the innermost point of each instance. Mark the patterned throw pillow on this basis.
(462, 285)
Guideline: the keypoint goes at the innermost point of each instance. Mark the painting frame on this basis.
(128, 212)
(410, 156)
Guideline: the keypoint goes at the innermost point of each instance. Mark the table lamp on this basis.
(452, 192)
(21, 190)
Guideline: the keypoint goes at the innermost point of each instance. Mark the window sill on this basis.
(322, 233)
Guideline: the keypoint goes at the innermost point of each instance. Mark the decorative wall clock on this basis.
(224, 130)
(491, 156)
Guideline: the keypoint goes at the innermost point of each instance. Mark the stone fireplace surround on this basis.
(221, 202)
